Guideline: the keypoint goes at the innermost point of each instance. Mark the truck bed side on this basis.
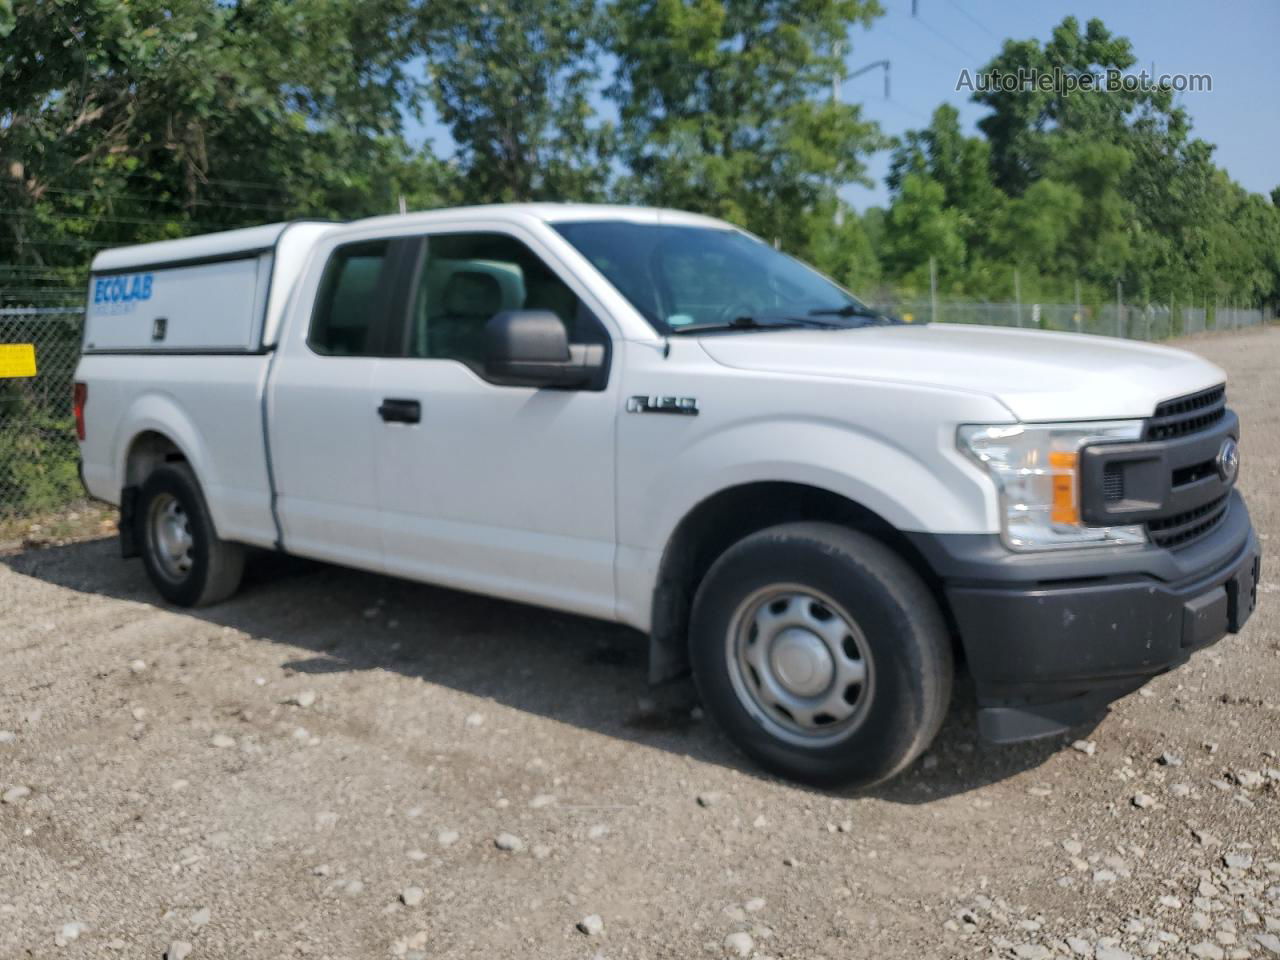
(208, 407)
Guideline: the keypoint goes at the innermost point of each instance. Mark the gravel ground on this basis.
(340, 765)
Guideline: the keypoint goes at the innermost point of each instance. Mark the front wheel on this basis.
(821, 653)
(184, 556)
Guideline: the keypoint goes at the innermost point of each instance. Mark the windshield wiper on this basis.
(854, 310)
(755, 323)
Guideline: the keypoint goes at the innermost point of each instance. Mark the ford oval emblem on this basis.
(1228, 460)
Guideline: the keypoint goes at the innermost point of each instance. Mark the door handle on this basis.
(395, 410)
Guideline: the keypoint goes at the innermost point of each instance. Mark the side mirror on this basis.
(530, 348)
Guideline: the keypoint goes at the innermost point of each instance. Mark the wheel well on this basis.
(149, 450)
(731, 515)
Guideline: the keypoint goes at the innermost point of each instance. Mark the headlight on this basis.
(1036, 470)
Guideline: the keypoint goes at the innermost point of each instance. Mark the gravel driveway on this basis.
(340, 765)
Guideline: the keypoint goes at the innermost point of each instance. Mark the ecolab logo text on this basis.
(124, 289)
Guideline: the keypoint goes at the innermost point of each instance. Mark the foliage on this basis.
(127, 122)
(37, 462)
(722, 110)
(1100, 189)
(512, 82)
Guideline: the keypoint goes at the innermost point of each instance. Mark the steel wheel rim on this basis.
(169, 537)
(800, 665)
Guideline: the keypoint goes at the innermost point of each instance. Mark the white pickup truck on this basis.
(655, 418)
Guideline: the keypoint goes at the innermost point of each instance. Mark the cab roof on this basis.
(546, 212)
(249, 240)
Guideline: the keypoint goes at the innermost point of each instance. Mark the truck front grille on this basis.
(1184, 528)
(1184, 415)
(1191, 430)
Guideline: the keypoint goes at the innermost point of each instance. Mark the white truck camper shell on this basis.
(218, 293)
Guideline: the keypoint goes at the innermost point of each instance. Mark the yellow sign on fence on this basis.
(17, 360)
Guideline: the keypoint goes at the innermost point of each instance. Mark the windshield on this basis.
(683, 277)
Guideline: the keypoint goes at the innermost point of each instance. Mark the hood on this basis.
(1038, 375)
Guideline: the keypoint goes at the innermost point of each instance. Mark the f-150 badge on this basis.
(683, 406)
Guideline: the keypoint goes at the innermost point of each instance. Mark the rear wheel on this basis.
(184, 557)
(821, 653)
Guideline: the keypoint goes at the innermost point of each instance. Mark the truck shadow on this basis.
(578, 671)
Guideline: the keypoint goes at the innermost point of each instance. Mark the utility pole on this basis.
(836, 80)
(933, 289)
(1017, 295)
(1079, 315)
(837, 52)
(1119, 312)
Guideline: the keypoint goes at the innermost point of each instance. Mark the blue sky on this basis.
(1233, 42)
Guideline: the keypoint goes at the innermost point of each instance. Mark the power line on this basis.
(141, 174)
(976, 22)
(912, 45)
(41, 242)
(140, 198)
(43, 281)
(942, 36)
(97, 218)
(40, 293)
(907, 110)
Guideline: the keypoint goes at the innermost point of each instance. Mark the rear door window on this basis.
(350, 314)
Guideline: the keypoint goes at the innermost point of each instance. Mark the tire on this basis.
(185, 559)
(822, 654)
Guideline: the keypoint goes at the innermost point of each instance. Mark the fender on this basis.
(159, 413)
(901, 485)
(893, 482)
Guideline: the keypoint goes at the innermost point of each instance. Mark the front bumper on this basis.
(1052, 638)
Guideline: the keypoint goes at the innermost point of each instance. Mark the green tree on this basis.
(127, 122)
(920, 225)
(1098, 171)
(1040, 227)
(724, 111)
(1242, 247)
(513, 82)
(961, 166)
(1024, 124)
(842, 247)
(1077, 186)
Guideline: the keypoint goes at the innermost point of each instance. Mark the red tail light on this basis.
(79, 397)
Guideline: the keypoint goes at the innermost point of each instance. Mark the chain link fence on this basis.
(39, 479)
(1145, 322)
(38, 454)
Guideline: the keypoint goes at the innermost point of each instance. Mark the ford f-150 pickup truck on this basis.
(654, 418)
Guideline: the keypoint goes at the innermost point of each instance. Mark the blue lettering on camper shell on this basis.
(122, 289)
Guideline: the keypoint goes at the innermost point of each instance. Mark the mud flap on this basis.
(668, 658)
(668, 634)
(128, 524)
